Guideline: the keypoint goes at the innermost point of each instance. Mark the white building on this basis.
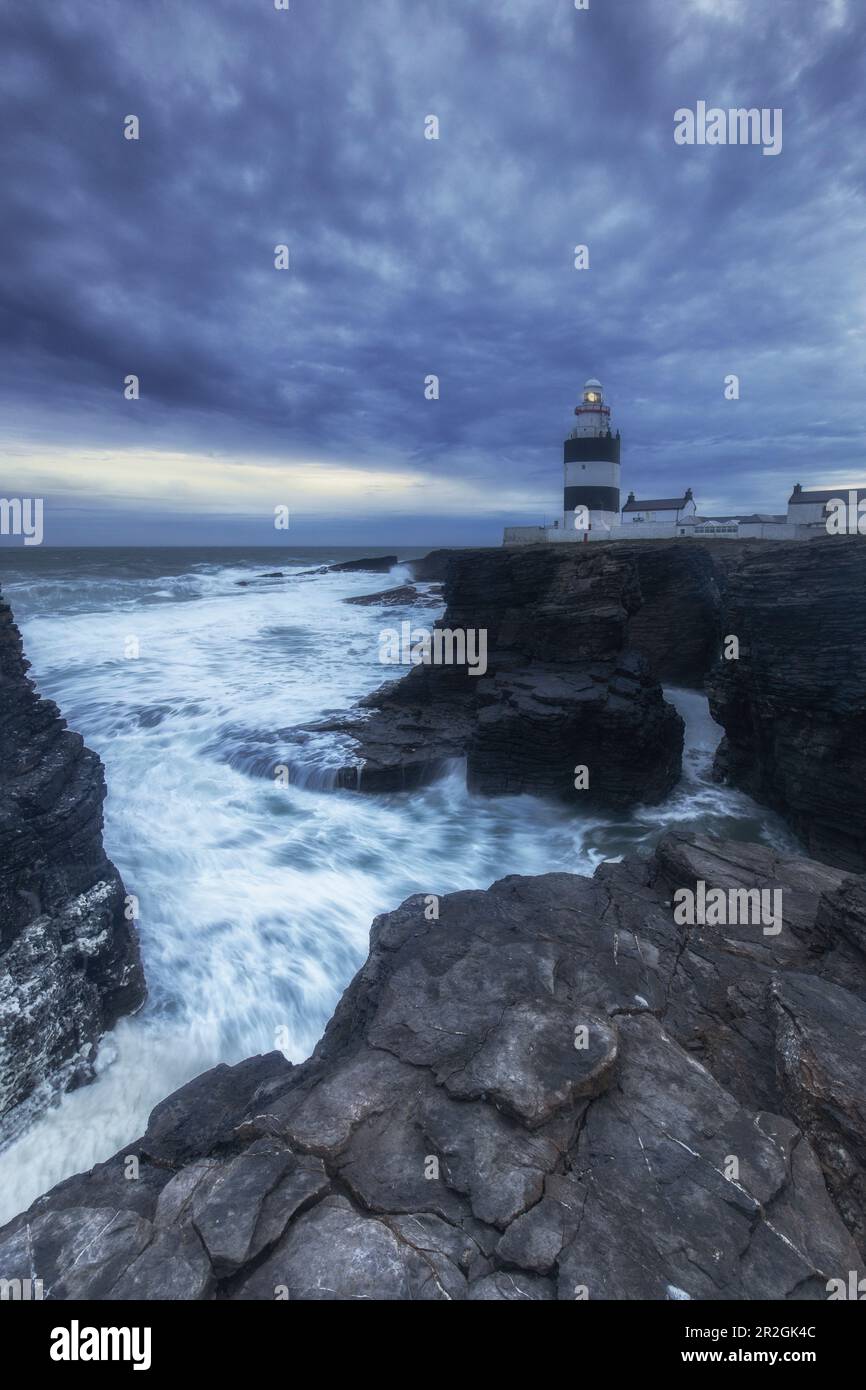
(591, 497)
(667, 511)
(811, 508)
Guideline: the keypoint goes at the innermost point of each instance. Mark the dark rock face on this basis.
(721, 1009)
(845, 912)
(562, 688)
(69, 962)
(677, 626)
(378, 564)
(821, 1064)
(542, 1091)
(259, 578)
(537, 727)
(793, 706)
(433, 567)
(403, 744)
(374, 564)
(402, 596)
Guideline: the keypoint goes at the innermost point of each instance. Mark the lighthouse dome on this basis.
(593, 381)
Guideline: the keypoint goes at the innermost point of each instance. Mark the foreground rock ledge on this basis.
(448, 1140)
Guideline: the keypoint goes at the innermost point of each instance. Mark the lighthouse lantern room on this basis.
(591, 464)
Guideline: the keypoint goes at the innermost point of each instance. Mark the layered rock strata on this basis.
(793, 702)
(69, 958)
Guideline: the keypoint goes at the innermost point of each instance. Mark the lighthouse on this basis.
(591, 463)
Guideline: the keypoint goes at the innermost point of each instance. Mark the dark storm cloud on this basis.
(453, 257)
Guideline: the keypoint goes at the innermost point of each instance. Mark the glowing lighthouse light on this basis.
(591, 465)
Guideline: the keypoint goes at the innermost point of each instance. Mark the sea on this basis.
(188, 672)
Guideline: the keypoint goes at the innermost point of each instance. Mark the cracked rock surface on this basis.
(552, 1091)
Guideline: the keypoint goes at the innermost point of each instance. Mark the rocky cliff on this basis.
(579, 638)
(793, 705)
(69, 961)
(548, 1090)
(677, 589)
(564, 686)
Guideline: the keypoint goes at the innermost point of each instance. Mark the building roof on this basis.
(798, 496)
(658, 504)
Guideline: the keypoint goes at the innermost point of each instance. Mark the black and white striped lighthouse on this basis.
(591, 460)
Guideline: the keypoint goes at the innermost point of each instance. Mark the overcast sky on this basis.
(409, 257)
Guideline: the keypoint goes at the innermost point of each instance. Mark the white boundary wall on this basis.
(660, 530)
